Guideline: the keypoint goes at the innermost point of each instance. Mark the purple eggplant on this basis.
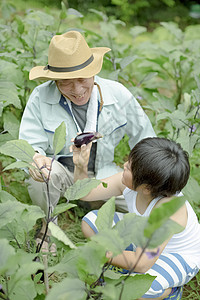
(86, 138)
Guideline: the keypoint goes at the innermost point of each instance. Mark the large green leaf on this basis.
(135, 286)
(17, 165)
(137, 30)
(161, 214)
(57, 232)
(5, 196)
(192, 191)
(60, 208)
(8, 94)
(11, 124)
(5, 253)
(106, 215)
(130, 229)
(163, 233)
(23, 289)
(19, 149)
(67, 264)
(90, 262)
(20, 266)
(110, 240)
(69, 288)
(8, 211)
(173, 29)
(59, 138)
(127, 60)
(81, 188)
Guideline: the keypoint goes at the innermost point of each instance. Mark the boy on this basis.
(157, 169)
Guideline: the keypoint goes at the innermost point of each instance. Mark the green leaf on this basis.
(69, 288)
(74, 12)
(127, 60)
(19, 149)
(110, 240)
(8, 94)
(106, 215)
(161, 214)
(11, 124)
(57, 232)
(192, 191)
(67, 264)
(137, 30)
(130, 229)
(29, 216)
(17, 165)
(62, 208)
(23, 289)
(161, 234)
(188, 142)
(5, 253)
(173, 29)
(81, 188)
(91, 259)
(8, 211)
(59, 138)
(5, 196)
(137, 283)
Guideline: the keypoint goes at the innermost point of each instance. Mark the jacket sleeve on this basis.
(138, 124)
(31, 127)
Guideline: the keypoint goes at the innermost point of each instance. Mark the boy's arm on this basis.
(141, 262)
(128, 259)
(114, 183)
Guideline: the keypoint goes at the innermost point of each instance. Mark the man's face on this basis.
(77, 90)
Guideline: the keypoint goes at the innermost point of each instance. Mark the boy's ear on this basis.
(146, 189)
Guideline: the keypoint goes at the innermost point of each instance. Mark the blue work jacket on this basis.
(120, 114)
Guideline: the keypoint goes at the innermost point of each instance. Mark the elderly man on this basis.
(85, 102)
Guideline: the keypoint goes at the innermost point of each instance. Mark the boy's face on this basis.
(77, 90)
(127, 178)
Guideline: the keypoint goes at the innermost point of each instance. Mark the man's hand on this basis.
(81, 155)
(43, 165)
(80, 159)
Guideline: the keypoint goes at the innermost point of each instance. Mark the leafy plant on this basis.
(161, 68)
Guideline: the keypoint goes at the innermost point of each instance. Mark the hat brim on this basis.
(92, 69)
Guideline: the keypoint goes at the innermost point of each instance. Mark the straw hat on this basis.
(70, 57)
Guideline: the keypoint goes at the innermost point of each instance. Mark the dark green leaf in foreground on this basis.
(110, 240)
(106, 215)
(135, 286)
(162, 213)
(91, 259)
(59, 138)
(164, 232)
(19, 149)
(60, 208)
(18, 165)
(81, 188)
(8, 211)
(6, 251)
(131, 229)
(59, 234)
(69, 288)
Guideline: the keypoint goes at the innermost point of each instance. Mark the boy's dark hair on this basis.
(161, 164)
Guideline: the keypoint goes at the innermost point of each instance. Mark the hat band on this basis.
(70, 69)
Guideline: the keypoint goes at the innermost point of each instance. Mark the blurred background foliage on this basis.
(135, 12)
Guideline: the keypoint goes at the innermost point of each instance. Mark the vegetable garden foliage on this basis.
(88, 275)
(161, 69)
